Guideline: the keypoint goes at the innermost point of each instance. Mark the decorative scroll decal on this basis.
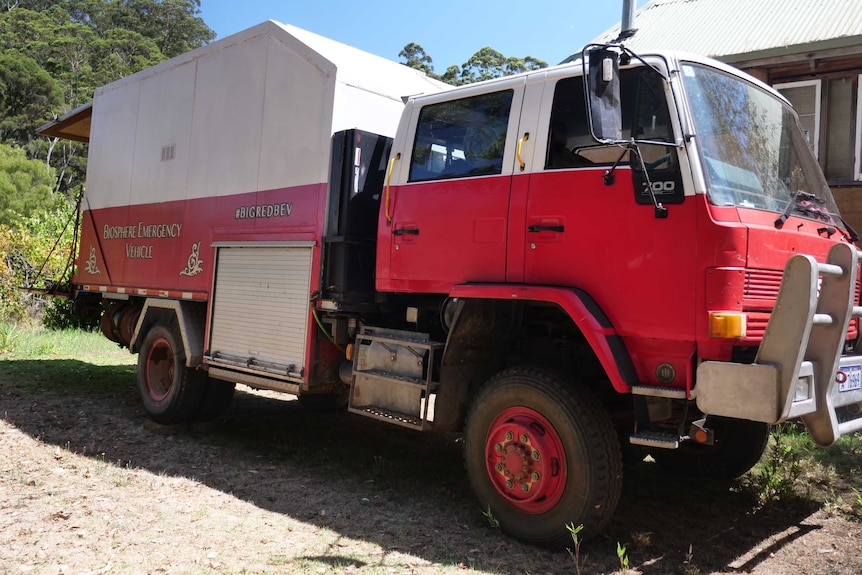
(91, 267)
(194, 263)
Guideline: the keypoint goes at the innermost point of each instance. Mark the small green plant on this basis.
(575, 551)
(781, 466)
(623, 558)
(9, 334)
(493, 522)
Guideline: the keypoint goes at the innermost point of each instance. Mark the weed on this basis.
(9, 334)
(493, 522)
(623, 558)
(688, 566)
(781, 466)
(575, 553)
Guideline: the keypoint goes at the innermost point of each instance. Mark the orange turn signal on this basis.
(726, 325)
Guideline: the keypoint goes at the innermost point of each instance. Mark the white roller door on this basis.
(260, 308)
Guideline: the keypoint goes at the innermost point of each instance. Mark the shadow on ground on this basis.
(371, 481)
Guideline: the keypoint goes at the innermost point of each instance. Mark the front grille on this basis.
(762, 285)
(759, 295)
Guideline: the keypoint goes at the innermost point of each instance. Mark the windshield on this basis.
(754, 153)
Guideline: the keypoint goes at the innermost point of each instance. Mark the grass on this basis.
(31, 342)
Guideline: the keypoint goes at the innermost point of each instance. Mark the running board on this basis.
(655, 439)
(656, 391)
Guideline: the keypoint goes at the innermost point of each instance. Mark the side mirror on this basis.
(603, 94)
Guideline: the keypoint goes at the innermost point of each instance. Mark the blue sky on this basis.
(449, 30)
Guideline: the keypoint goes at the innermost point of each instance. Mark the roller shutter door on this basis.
(260, 307)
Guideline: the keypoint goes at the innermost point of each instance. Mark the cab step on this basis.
(391, 416)
(656, 391)
(655, 439)
(392, 377)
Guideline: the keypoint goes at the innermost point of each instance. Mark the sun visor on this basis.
(74, 125)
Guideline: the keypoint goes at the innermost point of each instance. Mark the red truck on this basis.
(568, 265)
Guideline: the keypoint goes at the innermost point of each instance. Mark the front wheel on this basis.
(170, 391)
(541, 454)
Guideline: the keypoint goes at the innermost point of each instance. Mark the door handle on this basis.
(406, 232)
(536, 229)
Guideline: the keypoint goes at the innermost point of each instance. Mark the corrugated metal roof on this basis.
(723, 28)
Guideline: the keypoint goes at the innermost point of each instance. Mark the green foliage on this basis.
(58, 315)
(485, 64)
(780, 469)
(25, 186)
(56, 54)
(35, 245)
(623, 558)
(493, 522)
(27, 95)
(415, 57)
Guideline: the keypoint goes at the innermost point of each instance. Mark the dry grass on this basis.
(85, 487)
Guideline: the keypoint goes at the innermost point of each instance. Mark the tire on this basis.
(170, 391)
(570, 464)
(738, 446)
(216, 398)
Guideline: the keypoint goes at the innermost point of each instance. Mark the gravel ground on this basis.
(87, 486)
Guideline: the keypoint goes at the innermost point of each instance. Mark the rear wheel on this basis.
(541, 454)
(739, 443)
(170, 391)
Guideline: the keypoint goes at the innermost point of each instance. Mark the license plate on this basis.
(849, 378)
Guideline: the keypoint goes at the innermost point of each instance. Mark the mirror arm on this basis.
(609, 177)
(658, 209)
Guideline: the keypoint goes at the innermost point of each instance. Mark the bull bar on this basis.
(800, 370)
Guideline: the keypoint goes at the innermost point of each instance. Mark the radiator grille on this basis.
(759, 294)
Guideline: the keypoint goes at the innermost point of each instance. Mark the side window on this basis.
(570, 131)
(461, 138)
(645, 117)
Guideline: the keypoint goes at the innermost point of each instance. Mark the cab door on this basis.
(590, 222)
(447, 219)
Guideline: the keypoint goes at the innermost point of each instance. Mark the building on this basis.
(809, 50)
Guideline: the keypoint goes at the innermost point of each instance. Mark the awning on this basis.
(74, 125)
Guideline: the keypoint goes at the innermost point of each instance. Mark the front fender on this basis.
(584, 312)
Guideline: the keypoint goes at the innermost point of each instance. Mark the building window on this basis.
(805, 97)
(830, 112)
(858, 151)
(839, 147)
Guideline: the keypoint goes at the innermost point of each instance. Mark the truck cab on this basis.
(629, 248)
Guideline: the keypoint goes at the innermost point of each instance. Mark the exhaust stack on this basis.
(627, 29)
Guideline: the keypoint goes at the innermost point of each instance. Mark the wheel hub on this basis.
(160, 369)
(525, 460)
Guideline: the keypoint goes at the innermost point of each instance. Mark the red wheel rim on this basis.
(160, 369)
(525, 460)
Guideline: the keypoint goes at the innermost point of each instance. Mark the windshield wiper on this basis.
(792, 204)
(822, 214)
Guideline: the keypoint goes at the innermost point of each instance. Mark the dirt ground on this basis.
(87, 487)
